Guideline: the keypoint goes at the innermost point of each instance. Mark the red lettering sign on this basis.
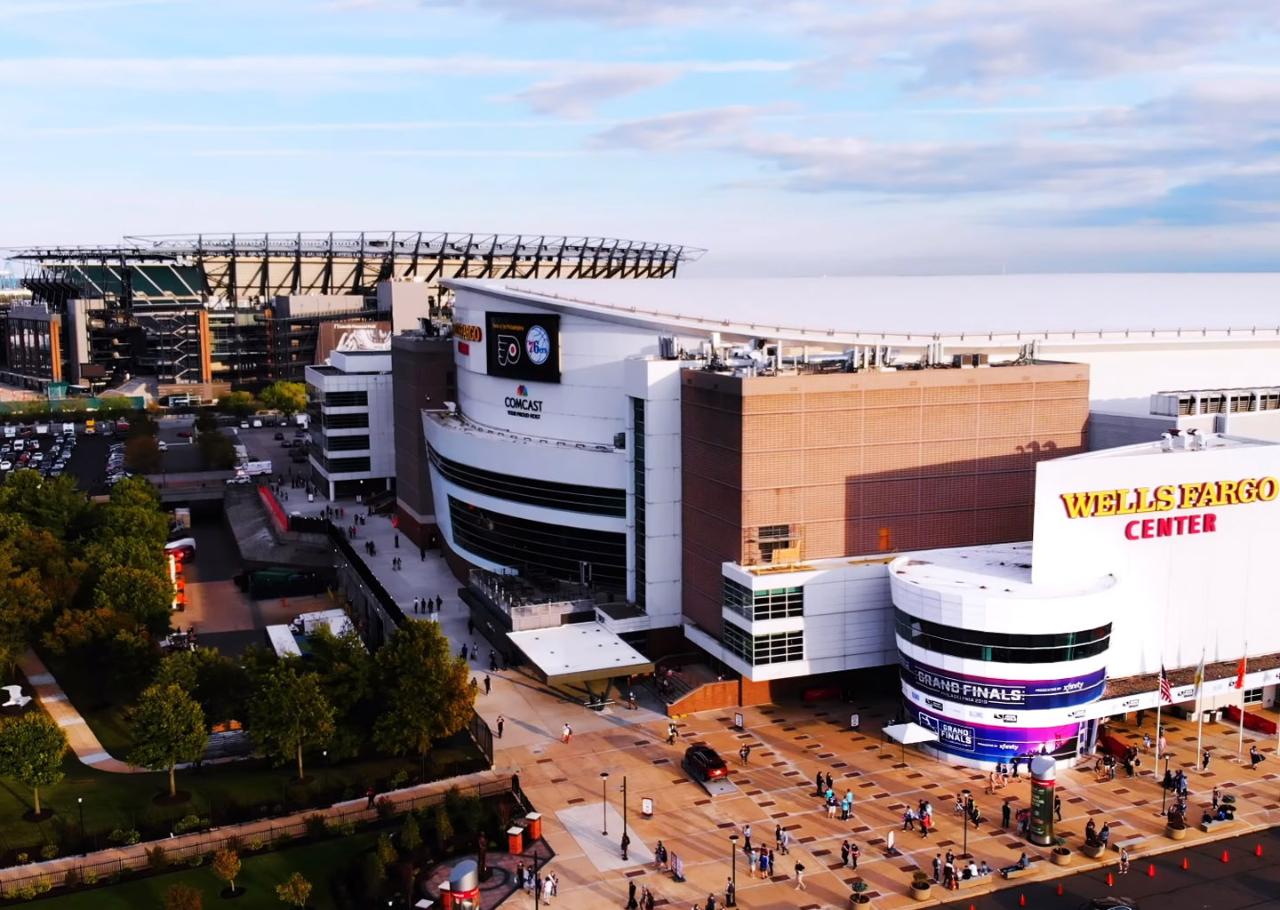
(1173, 526)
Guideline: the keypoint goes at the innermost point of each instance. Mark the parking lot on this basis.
(51, 453)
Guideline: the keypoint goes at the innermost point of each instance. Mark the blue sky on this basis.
(785, 136)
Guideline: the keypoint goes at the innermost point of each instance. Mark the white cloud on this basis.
(15, 9)
(579, 96)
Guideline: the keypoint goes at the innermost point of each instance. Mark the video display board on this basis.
(523, 346)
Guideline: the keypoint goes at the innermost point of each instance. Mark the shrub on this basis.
(315, 826)
(189, 823)
(124, 837)
(71, 879)
(399, 779)
(25, 892)
(49, 851)
(441, 826)
(255, 844)
(344, 828)
(195, 860)
(90, 876)
(157, 858)
(385, 850)
(386, 808)
(43, 885)
(22, 859)
(283, 839)
(410, 835)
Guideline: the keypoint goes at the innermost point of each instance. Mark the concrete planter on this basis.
(922, 894)
(1060, 856)
(1093, 851)
(1175, 833)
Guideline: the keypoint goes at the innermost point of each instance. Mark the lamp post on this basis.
(964, 822)
(731, 899)
(604, 803)
(83, 840)
(1164, 798)
(537, 892)
(624, 805)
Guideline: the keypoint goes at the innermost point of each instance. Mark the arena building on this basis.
(240, 310)
(792, 475)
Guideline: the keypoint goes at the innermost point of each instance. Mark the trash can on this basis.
(515, 840)
(534, 826)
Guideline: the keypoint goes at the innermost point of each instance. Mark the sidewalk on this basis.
(80, 737)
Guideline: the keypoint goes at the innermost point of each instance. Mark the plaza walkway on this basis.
(84, 743)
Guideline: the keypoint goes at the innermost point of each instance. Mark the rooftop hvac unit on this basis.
(667, 347)
(970, 360)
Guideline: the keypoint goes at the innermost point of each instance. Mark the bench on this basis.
(1208, 826)
(1016, 873)
(1130, 843)
(979, 879)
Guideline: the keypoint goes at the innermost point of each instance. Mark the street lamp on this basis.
(83, 840)
(731, 899)
(964, 822)
(1164, 798)
(604, 803)
(624, 805)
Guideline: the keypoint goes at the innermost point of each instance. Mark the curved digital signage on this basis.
(985, 692)
(984, 743)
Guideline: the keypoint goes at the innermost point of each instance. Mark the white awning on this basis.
(910, 734)
(579, 652)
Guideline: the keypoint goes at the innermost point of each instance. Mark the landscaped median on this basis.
(474, 803)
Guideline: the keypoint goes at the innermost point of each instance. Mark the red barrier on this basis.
(274, 509)
(1255, 722)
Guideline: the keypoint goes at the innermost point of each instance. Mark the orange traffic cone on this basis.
(1151, 870)
(1186, 864)
(1111, 880)
(1257, 851)
(1226, 857)
(1022, 900)
(1061, 890)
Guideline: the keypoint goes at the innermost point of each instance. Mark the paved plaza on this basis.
(790, 743)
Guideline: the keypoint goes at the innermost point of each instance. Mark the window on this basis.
(342, 465)
(345, 443)
(637, 477)
(1002, 647)
(548, 494)
(1253, 696)
(774, 603)
(344, 421)
(757, 650)
(773, 537)
(346, 399)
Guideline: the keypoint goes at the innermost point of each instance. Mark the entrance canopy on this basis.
(579, 653)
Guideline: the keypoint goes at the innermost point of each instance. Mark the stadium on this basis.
(800, 479)
(202, 313)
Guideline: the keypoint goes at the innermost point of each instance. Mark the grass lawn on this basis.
(259, 876)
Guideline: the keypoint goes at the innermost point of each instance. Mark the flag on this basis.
(1200, 675)
(1240, 669)
(1166, 692)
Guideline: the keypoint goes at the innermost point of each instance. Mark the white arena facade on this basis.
(560, 482)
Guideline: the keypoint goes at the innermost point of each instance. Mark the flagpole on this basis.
(1199, 708)
(1240, 680)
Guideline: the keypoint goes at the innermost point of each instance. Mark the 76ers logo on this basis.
(538, 344)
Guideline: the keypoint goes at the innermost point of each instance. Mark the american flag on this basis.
(1166, 692)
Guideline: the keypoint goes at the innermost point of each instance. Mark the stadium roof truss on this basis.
(242, 267)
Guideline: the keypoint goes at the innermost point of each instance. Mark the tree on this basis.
(242, 404)
(24, 604)
(217, 451)
(168, 727)
(288, 712)
(410, 834)
(146, 595)
(142, 455)
(295, 891)
(206, 422)
(216, 681)
(32, 747)
(284, 396)
(226, 865)
(424, 689)
(52, 503)
(345, 670)
(182, 897)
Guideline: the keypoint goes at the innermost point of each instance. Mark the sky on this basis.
(785, 137)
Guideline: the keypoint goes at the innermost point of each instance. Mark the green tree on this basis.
(424, 690)
(217, 451)
(288, 712)
(410, 834)
(345, 670)
(182, 897)
(206, 422)
(242, 404)
(146, 595)
(168, 727)
(216, 681)
(226, 865)
(295, 890)
(142, 455)
(24, 604)
(31, 750)
(135, 492)
(385, 850)
(287, 397)
(52, 503)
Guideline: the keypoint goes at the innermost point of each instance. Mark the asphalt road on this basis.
(1246, 882)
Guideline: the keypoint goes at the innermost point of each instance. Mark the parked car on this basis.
(279, 436)
(162, 446)
(184, 434)
(6, 465)
(704, 763)
(182, 548)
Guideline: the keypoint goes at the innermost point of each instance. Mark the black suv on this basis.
(704, 763)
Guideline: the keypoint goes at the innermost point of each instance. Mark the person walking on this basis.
(746, 836)
(671, 733)
(744, 753)
(488, 684)
(817, 784)
(854, 853)
(937, 868)
(566, 734)
(625, 843)
(1204, 760)
(777, 838)
(831, 784)
(1057, 807)
(631, 896)
(1006, 815)
(844, 854)
(800, 876)
(548, 888)
(369, 798)
(501, 723)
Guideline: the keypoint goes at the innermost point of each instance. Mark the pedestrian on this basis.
(369, 798)
(777, 837)
(854, 853)
(566, 734)
(786, 842)
(1124, 861)
(1254, 758)
(844, 854)
(830, 782)
(671, 733)
(501, 723)
(415, 606)
(631, 699)
(908, 819)
(744, 753)
(488, 685)
(937, 868)
(730, 893)
(471, 626)
(439, 602)
(631, 896)
(493, 661)
(800, 877)
(1006, 814)
(1057, 807)
(1204, 760)
(397, 541)
(625, 844)
(746, 836)
(548, 888)
(817, 784)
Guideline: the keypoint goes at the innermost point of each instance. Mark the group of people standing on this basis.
(529, 880)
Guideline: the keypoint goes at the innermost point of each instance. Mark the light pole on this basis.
(1164, 797)
(964, 821)
(537, 892)
(84, 841)
(731, 899)
(624, 805)
(604, 803)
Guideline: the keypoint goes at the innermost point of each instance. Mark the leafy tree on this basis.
(31, 750)
(288, 713)
(206, 422)
(295, 890)
(410, 834)
(110, 643)
(226, 865)
(284, 396)
(217, 451)
(182, 897)
(142, 455)
(146, 595)
(385, 851)
(424, 689)
(216, 681)
(345, 670)
(51, 503)
(58, 568)
(168, 727)
(441, 826)
(24, 604)
(242, 404)
(137, 493)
